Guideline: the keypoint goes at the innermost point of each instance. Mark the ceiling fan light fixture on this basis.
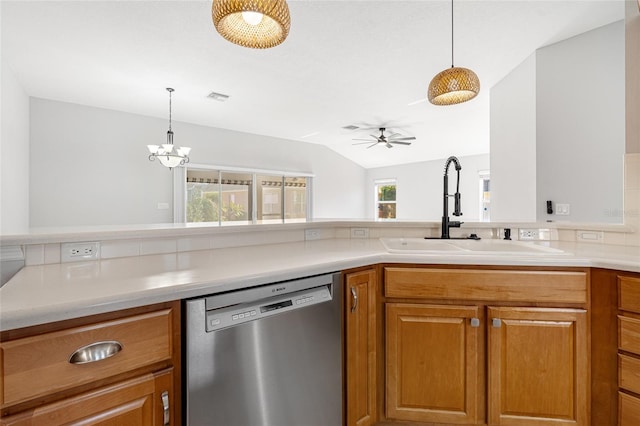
(258, 24)
(453, 86)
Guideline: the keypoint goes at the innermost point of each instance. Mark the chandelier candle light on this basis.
(169, 155)
(453, 85)
(259, 24)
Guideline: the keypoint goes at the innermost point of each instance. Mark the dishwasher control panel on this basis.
(217, 319)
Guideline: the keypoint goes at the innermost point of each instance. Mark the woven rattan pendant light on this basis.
(453, 85)
(259, 24)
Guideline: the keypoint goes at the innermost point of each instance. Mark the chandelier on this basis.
(169, 155)
(454, 85)
(259, 24)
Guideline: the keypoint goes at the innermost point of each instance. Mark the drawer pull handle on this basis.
(354, 295)
(95, 352)
(166, 413)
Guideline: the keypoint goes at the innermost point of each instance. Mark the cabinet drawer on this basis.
(629, 291)
(629, 337)
(629, 370)
(629, 410)
(41, 365)
(476, 284)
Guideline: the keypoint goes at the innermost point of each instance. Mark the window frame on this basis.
(384, 182)
(180, 191)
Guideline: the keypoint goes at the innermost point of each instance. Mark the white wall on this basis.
(14, 155)
(513, 145)
(89, 166)
(420, 187)
(580, 125)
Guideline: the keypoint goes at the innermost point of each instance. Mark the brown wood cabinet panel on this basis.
(432, 363)
(538, 366)
(135, 402)
(629, 409)
(39, 365)
(629, 373)
(479, 284)
(360, 320)
(629, 337)
(629, 291)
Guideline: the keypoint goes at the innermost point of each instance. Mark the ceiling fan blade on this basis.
(363, 143)
(373, 144)
(393, 135)
(400, 143)
(389, 145)
(359, 139)
(408, 138)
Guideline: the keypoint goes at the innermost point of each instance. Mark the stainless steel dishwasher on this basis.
(266, 356)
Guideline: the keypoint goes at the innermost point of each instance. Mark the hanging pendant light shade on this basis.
(259, 24)
(454, 85)
(169, 155)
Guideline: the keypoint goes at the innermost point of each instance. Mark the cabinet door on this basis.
(538, 367)
(432, 363)
(135, 402)
(361, 347)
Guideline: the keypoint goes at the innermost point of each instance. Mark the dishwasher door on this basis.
(280, 364)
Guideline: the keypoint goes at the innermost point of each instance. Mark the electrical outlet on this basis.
(359, 232)
(312, 234)
(74, 252)
(528, 234)
(544, 234)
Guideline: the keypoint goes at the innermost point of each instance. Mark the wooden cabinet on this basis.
(106, 370)
(629, 350)
(538, 366)
(432, 363)
(360, 322)
(131, 402)
(440, 323)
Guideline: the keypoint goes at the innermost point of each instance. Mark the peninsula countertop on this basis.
(47, 293)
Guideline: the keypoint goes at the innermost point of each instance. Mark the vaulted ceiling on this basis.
(362, 63)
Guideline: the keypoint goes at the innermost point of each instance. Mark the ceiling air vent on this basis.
(351, 127)
(218, 96)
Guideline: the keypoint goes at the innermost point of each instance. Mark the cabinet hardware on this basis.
(475, 322)
(355, 299)
(95, 352)
(165, 409)
(496, 323)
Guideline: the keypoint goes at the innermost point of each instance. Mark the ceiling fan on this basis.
(394, 138)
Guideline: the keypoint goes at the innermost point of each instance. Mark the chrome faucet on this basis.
(446, 223)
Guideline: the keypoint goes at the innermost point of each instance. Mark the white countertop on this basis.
(47, 293)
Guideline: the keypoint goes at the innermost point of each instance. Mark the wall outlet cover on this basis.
(75, 252)
(359, 232)
(312, 234)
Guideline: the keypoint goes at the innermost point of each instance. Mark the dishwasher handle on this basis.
(354, 295)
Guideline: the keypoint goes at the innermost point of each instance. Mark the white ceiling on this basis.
(366, 63)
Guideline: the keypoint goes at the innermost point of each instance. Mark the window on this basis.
(385, 191)
(485, 196)
(243, 197)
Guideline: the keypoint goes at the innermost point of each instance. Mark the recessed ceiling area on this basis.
(360, 63)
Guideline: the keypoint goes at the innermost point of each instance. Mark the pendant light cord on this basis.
(451, 33)
(170, 90)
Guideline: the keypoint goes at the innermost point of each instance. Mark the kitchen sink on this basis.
(466, 246)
